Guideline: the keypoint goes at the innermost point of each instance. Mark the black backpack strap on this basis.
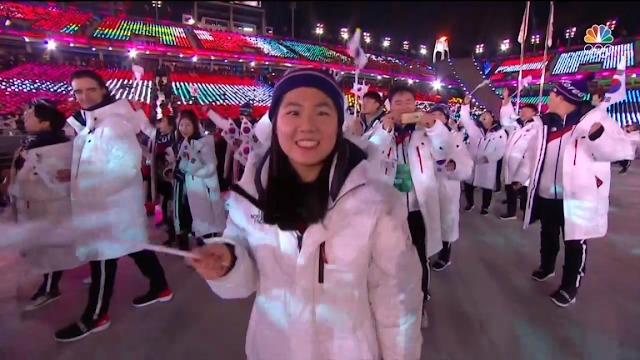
(242, 192)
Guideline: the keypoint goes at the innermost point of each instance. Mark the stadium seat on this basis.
(24, 83)
(47, 17)
(114, 28)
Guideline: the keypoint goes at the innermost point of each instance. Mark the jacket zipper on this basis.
(321, 258)
(322, 252)
(555, 174)
(575, 154)
(404, 159)
(388, 156)
(420, 159)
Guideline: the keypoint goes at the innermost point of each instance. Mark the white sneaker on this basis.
(425, 318)
(87, 280)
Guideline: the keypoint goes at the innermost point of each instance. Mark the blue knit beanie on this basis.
(308, 77)
(574, 91)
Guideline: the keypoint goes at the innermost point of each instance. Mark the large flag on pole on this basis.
(550, 28)
(523, 26)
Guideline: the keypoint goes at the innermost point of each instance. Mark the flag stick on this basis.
(522, 45)
(544, 58)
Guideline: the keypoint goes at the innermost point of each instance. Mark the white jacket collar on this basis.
(120, 108)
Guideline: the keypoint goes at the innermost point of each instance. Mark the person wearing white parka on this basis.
(487, 143)
(570, 177)
(198, 204)
(450, 187)
(515, 166)
(321, 239)
(420, 160)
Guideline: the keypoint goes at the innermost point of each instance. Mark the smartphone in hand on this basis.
(411, 118)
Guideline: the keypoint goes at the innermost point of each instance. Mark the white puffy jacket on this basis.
(106, 181)
(515, 166)
(436, 190)
(36, 196)
(490, 145)
(586, 173)
(367, 305)
(197, 159)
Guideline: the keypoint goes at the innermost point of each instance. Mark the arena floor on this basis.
(484, 307)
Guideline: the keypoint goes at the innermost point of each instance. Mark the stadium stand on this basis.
(46, 17)
(571, 62)
(119, 29)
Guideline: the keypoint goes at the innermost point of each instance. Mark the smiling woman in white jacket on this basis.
(323, 243)
(487, 143)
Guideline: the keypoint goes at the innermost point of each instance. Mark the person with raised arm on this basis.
(487, 142)
(321, 239)
(570, 166)
(515, 167)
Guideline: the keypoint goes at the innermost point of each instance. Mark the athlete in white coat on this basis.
(371, 115)
(199, 208)
(106, 180)
(419, 159)
(449, 184)
(487, 142)
(514, 163)
(39, 191)
(570, 178)
(320, 238)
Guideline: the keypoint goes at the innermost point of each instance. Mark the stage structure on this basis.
(442, 45)
(245, 17)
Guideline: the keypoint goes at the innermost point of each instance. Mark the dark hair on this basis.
(89, 74)
(493, 116)
(400, 89)
(171, 120)
(193, 119)
(373, 96)
(530, 106)
(287, 201)
(47, 111)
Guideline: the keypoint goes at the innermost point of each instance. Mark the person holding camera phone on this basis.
(419, 158)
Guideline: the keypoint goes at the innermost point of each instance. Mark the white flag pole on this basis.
(547, 40)
(522, 45)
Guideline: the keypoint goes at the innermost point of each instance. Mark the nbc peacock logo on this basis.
(598, 39)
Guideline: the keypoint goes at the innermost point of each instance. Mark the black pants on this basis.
(575, 251)
(624, 163)
(498, 174)
(513, 196)
(50, 283)
(103, 276)
(487, 194)
(418, 235)
(445, 254)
